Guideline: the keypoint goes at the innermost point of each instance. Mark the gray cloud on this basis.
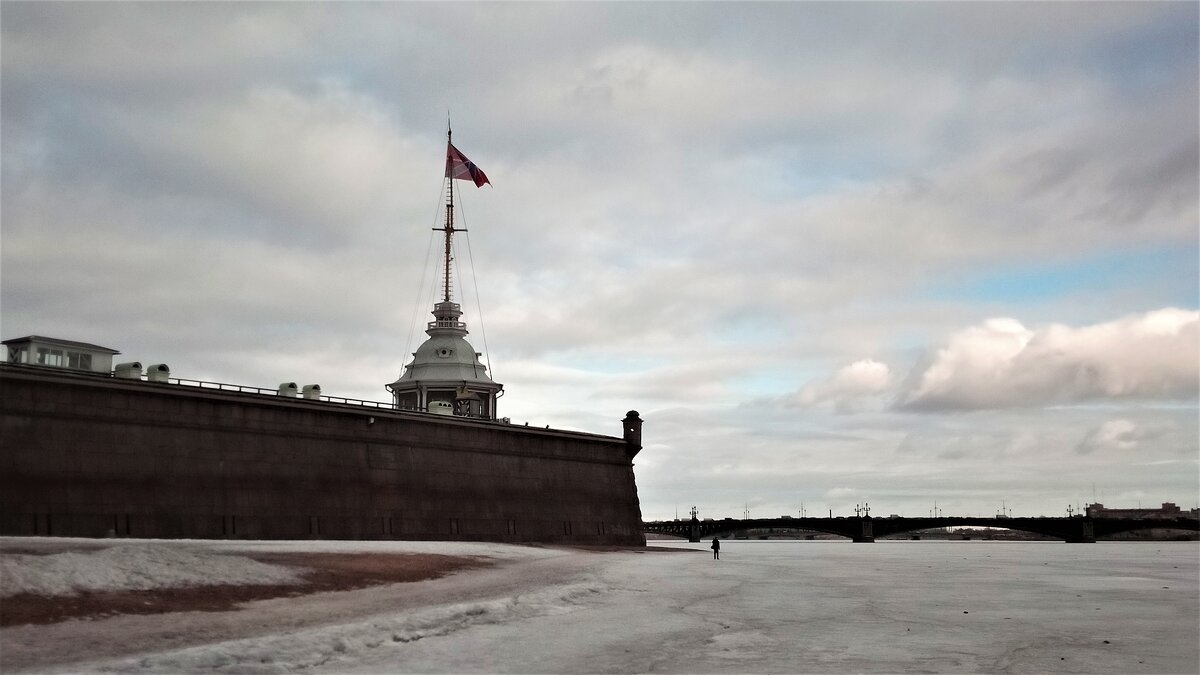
(700, 212)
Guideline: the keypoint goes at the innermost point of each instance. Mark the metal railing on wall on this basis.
(217, 386)
(238, 388)
(246, 389)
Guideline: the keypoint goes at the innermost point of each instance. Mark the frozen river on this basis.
(767, 606)
(841, 607)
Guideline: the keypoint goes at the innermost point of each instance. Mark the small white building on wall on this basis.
(36, 350)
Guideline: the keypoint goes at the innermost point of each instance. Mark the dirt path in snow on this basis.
(55, 647)
(322, 572)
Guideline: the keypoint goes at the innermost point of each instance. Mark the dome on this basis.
(445, 357)
(446, 369)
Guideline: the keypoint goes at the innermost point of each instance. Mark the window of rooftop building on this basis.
(58, 358)
(49, 357)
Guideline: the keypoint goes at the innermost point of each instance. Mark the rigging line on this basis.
(458, 275)
(449, 229)
(487, 355)
(412, 324)
(462, 220)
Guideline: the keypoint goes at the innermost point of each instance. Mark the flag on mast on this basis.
(458, 166)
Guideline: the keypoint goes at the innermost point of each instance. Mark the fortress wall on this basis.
(84, 455)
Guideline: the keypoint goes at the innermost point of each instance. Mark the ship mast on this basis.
(449, 226)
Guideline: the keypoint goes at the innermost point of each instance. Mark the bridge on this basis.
(1074, 529)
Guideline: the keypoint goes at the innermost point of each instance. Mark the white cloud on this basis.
(1001, 363)
(841, 493)
(846, 389)
(1118, 434)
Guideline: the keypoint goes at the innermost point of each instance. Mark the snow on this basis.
(138, 564)
(765, 607)
(133, 567)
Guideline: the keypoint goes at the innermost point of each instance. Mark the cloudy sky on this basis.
(833, 253)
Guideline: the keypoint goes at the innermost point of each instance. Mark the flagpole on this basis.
(449, 229)
(455, 161)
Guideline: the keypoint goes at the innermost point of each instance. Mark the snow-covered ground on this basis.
(133, 566)
(765, 607)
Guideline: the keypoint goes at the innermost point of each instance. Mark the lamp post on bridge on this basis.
(866, 532)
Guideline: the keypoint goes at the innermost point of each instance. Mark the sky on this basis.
(893, 254)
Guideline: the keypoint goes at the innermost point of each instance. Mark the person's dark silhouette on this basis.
(716, 547)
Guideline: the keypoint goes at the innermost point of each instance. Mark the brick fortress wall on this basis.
(86, 455)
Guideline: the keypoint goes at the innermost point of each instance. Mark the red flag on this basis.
(458, 166)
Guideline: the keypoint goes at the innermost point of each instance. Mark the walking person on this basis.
(716, 547)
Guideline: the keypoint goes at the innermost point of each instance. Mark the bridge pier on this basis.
(694, 530)
(866, 533)
(1084, 534)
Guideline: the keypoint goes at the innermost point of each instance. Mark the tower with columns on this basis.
(445, 375)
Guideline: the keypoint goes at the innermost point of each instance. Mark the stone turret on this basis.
(633, 433)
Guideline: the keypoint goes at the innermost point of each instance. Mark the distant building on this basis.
(56, 353)
(1167, 510)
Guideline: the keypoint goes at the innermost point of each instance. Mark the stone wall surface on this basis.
(87, 455)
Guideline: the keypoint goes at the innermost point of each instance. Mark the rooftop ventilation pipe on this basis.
(128, 371)
(159, 372)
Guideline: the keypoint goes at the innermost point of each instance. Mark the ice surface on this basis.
(765, 607)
